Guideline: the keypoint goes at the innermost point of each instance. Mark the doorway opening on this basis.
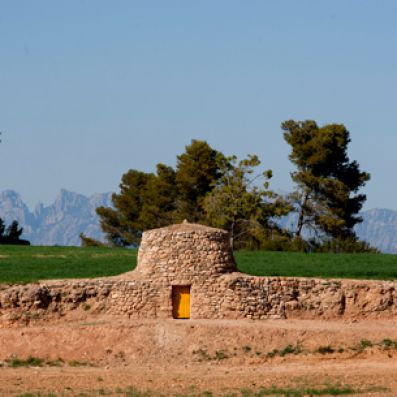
(181, 301)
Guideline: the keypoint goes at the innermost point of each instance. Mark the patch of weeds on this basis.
(362, 345)
(120, 355)
(203, 355)
(301, 391)
(86, 307)
(246, 349)
(376, 389)
(388, 344)
(75, 363)
(133, 392)
(246, 392)
(325, 350)
(33, 315)
(29, 362)
(273, 353)
(37, 395)
(290, 349)
(258, 353)
(341, 350)
(99, 379)
(34, 362)
(220, 355)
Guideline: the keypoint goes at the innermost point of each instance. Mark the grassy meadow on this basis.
(26, 264)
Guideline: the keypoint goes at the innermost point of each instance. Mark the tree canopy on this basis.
(11, 234)
(206, 187)
(241, 204)
(327, 182)
(222, 191)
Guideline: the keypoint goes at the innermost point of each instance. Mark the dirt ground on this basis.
(106, 355)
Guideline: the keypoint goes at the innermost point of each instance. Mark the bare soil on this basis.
(102, 354)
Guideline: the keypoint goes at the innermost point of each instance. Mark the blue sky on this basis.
(90, 89)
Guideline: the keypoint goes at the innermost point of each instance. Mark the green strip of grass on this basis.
(27, 264)
(356, 266)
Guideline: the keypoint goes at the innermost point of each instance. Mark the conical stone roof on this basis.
(186, 226)
(185, 249)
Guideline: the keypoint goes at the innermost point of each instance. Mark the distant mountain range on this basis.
(58, 224)
(71, 213)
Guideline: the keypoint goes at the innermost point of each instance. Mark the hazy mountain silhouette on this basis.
(71, 213)
(59, 223)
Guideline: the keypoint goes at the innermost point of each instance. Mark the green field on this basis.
(21, 263)
(357, 266)
(25, 264)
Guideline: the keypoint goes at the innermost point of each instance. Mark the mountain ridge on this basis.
(61, 222)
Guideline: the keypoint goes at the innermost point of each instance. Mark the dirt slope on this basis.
(218, 355)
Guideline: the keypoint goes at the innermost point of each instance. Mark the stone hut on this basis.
(182, 261)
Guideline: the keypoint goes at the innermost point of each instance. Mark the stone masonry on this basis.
(199, 257)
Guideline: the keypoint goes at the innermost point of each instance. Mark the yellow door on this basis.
(181, 301)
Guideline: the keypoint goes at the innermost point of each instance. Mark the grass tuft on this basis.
(325, 350)
(29, 362)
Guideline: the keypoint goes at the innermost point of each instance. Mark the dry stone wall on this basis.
(199, 257)
(233, 296)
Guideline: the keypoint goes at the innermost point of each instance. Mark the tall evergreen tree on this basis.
(159, 199)
(2, 228)
(14, 232)
(197, 171)
(121, 224)
(11, 234)
(327, 182)
(149, 200)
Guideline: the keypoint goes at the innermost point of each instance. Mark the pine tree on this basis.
(2, 228)
(197, 171)
(327, 182)
(148, 201)
(14, 232)
(121, 224)
(11, 234)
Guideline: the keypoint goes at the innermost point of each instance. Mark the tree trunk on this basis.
(301, 216)
(231, 236)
